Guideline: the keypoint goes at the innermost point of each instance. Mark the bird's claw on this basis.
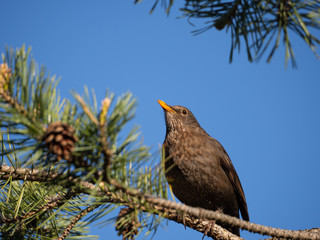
(209, 227)
(184, 220)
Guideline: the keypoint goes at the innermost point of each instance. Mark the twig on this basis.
(75, 220)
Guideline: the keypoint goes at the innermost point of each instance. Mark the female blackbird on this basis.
(198, 169)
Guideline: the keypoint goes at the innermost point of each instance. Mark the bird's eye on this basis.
(184, 112)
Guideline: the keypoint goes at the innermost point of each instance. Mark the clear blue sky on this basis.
(267, 117)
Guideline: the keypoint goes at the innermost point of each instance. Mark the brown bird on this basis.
(198, 169)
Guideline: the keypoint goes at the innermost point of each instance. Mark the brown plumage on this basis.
(198, 168)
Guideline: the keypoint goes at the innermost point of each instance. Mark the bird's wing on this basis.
(228, 167)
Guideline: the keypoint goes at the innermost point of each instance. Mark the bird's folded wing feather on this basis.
(230, 171)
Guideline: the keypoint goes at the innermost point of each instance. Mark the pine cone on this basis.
(59, 138)
(123, 226)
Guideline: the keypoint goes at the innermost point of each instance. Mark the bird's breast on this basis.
(194, 172)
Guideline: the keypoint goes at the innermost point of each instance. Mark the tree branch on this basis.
(165, 208)
(215, 232)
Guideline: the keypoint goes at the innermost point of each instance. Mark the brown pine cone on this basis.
(127, 228)
(60, 139)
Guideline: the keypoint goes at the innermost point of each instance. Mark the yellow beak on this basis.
(166, 106)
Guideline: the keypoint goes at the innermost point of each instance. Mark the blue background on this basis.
(267, 117)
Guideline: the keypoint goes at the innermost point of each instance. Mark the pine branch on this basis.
(165, 208)
(14, 104)
(215, 232)
(218, 232)
(254, 23)
(218, 216)
(52, 202)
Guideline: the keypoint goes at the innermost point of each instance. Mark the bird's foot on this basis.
(209, 227)
(182, 218)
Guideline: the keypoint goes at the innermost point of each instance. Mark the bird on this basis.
(198, 168)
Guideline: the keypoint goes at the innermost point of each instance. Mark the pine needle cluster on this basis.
(68, 144)
(259, 25)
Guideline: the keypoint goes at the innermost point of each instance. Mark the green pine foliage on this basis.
(65, 164)
(73, 193)
(258, 25)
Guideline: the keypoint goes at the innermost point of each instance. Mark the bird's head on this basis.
(178, 117)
